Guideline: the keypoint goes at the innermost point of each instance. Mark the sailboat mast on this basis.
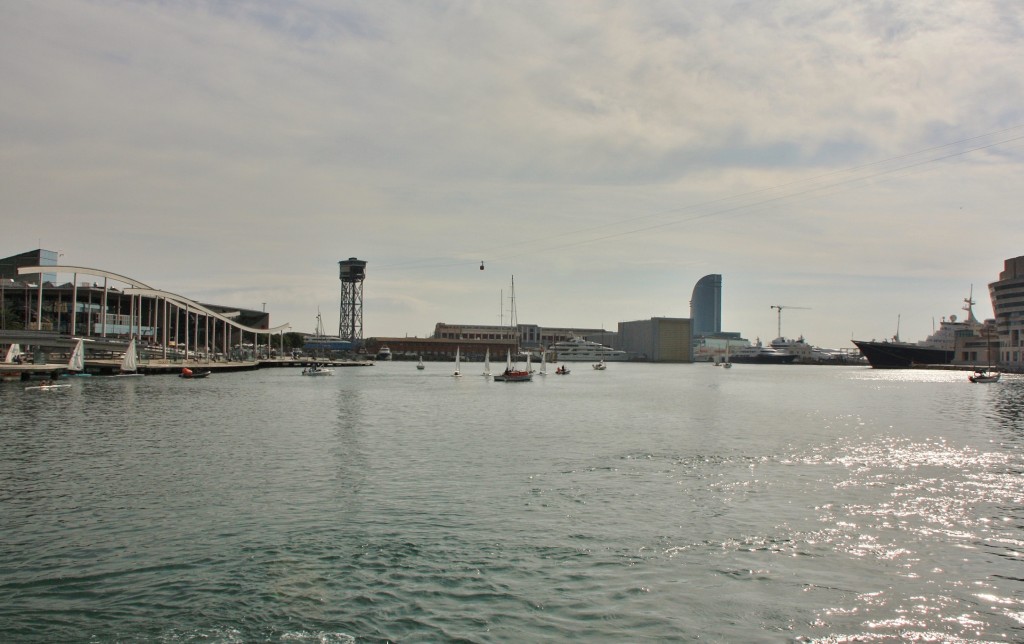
(513, 320)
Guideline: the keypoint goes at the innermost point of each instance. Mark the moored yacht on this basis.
(939, 348)
(583, 350)
(760, 354)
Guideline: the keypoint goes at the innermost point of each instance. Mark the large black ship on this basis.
(939, 348)
(902, 355)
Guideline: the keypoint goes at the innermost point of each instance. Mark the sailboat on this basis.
(13, 356)
(512, 373)
(543, 363)
(13, 352)
(486, 363)
(458, 363)
(726, 363)
(129, 364)
(987, 375)
(420, 365)
(76, 364)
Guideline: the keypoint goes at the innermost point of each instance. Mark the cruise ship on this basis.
(939, 348)
(583, 350)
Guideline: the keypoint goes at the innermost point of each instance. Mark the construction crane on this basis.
(780, 307)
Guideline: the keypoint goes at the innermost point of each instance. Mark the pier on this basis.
(29, 371)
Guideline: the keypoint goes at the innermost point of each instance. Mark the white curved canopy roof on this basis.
(184, 301)
(139, 288)
(80, 269)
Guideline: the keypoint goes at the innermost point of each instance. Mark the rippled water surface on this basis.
(645, 502)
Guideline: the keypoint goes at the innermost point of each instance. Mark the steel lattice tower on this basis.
(350, 322)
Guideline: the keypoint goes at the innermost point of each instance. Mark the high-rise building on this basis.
(706, 306)
(1008, 305)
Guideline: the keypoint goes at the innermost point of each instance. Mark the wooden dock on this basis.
(28, 371)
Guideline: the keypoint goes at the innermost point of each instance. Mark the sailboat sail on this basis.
(130, 362)
(12, 352)
(487, 363)
(77, 361)
(458, 362)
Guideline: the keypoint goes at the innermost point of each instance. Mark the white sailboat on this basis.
(420, 365)
(487, 363)
(543, 363)
(988, 375)
(12, 352)
(458, 363)
(130, 362)
(76, 364)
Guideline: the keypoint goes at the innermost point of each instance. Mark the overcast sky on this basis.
(864, 160)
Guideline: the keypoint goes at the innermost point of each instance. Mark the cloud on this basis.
(633, 145)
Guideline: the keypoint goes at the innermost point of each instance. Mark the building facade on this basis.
(9, 265)
(657, 339)
(1008, 305)
(706, 306)
(530, 336)
(116, 308)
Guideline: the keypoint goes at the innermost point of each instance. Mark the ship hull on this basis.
(764, 359)
(901, 355)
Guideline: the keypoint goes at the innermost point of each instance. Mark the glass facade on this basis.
(1008, 305)
(706, 306)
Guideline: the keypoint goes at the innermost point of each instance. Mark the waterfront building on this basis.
(39, 309)
(709, 342)
(706, 306)
(718, 346)
(1007, 295)
(530, 336)
(39, 257)
(657, 339)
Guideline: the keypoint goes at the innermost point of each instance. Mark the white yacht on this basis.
(759, 354)
(583, 350)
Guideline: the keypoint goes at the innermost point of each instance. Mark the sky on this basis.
(859, 164)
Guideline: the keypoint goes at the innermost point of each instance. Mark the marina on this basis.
(649, 502)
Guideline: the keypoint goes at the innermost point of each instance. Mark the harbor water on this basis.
(641, 503)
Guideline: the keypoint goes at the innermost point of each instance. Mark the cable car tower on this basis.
(352, 272)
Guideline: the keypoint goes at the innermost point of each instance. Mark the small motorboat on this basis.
(562, 371)
(192, 375)
(317, 370)
(984, 376)
(600, 366)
